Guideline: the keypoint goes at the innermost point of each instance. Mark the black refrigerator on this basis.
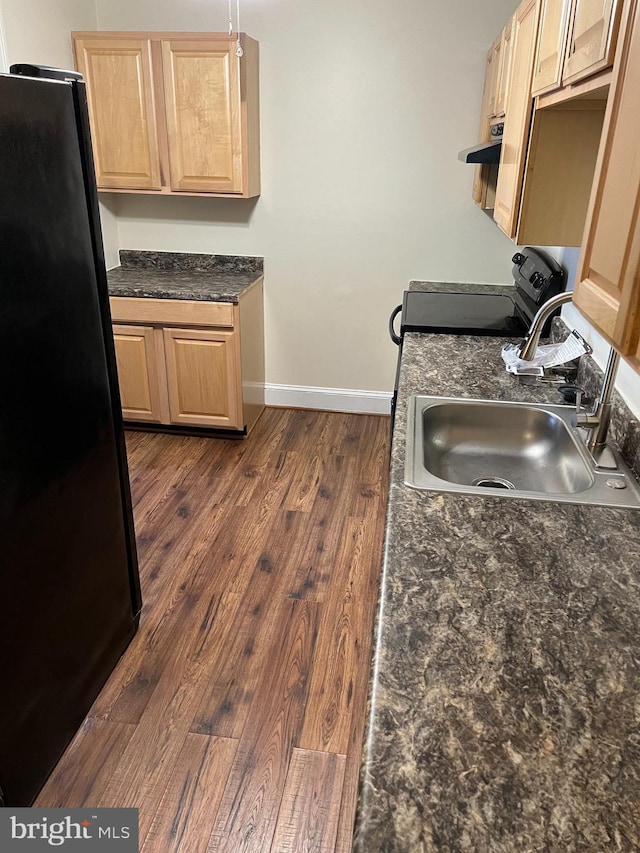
(69, 586)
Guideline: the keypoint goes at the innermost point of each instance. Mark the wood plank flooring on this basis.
(234, 721)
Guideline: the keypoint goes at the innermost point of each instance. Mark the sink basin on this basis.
(510, 449)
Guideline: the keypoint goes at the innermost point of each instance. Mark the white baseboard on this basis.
(328, 399)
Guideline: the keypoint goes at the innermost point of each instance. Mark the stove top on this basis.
(537, 277)
(461, 313)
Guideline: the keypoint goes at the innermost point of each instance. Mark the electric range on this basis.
(536, 277)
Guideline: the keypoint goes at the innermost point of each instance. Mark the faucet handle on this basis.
(579, 417)
(582, 415)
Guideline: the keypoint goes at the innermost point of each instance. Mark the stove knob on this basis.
(536, 279)
(518, 259)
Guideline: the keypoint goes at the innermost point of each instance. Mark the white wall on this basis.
(364, 106)
(39, 31)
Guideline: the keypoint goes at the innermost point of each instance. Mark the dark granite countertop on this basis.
(505, 705)
(179, 275)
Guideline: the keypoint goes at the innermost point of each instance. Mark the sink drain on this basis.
(493, 483)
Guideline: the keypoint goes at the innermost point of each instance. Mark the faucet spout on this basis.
(596, 421)
(531, 341)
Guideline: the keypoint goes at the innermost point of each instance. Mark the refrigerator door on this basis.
(68, 573)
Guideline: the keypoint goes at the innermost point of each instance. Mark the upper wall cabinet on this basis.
(497, 74)
(608, 282)
(484, 179)
(591, 40)
(119, 78)
(552, 36)
(504, 68)
(577, 38)
(518, 118)
(550, 144)
(203, 117)
(491, 77)
(172, 112)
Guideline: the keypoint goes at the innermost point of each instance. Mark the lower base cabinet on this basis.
(138, 373)
(203, 377)
(176, 369)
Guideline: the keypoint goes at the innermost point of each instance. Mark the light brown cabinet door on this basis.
(483, 175)
(202, 96)
(518, 118)
(119, 79)
(547, 71)
(137, 373)
(479, 187)
(591, 43)
(203, 375)
(493, 72)
(608, 285)
(504, 69)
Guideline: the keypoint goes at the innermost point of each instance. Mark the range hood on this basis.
(486, 152)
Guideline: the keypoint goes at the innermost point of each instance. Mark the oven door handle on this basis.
(392, 332)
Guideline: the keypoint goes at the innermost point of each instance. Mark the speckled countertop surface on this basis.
(505, 710)
(457, 287)
(177, 275)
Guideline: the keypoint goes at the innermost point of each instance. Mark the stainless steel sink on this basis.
(508, 449)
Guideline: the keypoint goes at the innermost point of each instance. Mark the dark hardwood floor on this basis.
(234, 722)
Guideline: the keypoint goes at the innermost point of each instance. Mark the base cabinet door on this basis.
(203, 376)
(138, 373)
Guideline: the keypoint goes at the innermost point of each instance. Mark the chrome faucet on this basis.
(531, 341)
(597, 420)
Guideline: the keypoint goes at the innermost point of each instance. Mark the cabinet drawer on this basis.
(126, 309)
